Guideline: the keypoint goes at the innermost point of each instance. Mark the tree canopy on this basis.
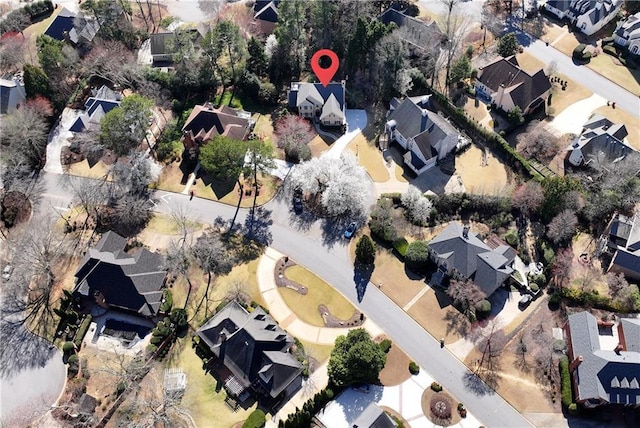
(507, 45)
(355, 358)
(223, 157)
(124, 127)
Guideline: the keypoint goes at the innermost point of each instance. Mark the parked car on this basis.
(525, 301)
(351, 229)
(6, 272)
(297, 204)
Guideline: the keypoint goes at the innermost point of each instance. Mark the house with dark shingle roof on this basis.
(627, 33)
(12, 94)
(460, 254)
(622, 237)
(206, 121)
(255, 352)
(559, 8)
(326, 105)
(509, 86)
(419, 35)
(599, 136)
(604, 360)
(84, 29)
(114, 279)
(162, 48)
(426, 136)
(61, 25)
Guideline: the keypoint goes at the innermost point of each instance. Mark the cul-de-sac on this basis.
(319, 213)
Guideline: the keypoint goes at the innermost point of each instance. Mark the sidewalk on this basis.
(279, 310)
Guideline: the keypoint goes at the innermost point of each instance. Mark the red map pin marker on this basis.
(325, 74)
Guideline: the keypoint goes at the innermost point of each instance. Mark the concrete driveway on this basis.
(405, 399)
(571, 119)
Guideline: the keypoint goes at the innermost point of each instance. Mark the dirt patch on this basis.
(430, 398)
(396, 369)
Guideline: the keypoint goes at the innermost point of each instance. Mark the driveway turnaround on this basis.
(405, 399)
(571, 119)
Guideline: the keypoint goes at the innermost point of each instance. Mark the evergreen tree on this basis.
(365, 250)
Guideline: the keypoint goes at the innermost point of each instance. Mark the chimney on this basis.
(223, 337)
(575, 363)
(618, 349)
(465, 232)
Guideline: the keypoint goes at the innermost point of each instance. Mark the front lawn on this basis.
(370, 158)
(319, 293)
(480, 176)
(396, 369)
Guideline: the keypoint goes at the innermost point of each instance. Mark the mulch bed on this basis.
(281, 280)
(428, 396)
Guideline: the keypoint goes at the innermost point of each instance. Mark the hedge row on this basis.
(302, 417)
(565, 379)
(256, 419)
(490, 138)
(595, 299)
(19, 19)
(82, 331)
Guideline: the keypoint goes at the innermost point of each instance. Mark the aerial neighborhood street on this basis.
(285, 213)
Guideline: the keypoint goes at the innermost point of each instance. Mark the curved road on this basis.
(329, 260)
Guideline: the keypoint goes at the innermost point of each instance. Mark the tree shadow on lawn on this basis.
(21, 349)
(219, 188)
(476, 385)
(361, 277)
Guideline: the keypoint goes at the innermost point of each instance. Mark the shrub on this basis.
(73, 359)
(460, 406)
(68, 347)
(365, 250)
(565, 378)
(577, 51)
(534, 287)
(169, 150)
(166, 306)
(256, 419)
(573, 409)
(401, 245)
(611, 50)
(435, 386)
(483, 306)
(385, 345)
(414, 369)
(607, 41)
(512, 238)
(417, 254)
(120, 387)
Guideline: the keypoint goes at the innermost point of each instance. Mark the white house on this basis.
(324, 104)
(426, 136)
(589, 16)
(627, 34)
(599, 136)
(559, 8)
(509, 86)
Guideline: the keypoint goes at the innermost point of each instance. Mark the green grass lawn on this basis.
(306, 306)
(320, 353)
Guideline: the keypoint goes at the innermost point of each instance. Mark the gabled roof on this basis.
(523, 87)
(61, 24)
(268, 13)
(595, 10)
(486, 267)
(252, 346)
(413, 30)
(630, 28)
(205, 122)
(600, 135)
(603, 374)
(84, 29)
(128, 281)
(331, 107)
(95, 109)
(562, 5)
(425, 127)
(374, 417)
(12, 94)
(318, 95)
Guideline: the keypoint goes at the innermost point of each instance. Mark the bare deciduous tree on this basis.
(491, 344)
(537, 142)
(293, 133)
(528, 197)
(562, 227)
(616, 283)
(465, 294)
(417, 205)
(454, 25)
(561, 269)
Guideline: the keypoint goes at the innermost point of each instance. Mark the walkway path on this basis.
(279, 310)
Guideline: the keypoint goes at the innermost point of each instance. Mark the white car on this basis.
(6, 272)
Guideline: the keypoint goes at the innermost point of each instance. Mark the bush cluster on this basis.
(463, 204)
(435, 386)
(414, 368)
(385, 345)
(82, 330)
(580, 54)
(401, 245)
(26, 16)
(595, 300)
(417, 255)
(302, 417)
(166, 306)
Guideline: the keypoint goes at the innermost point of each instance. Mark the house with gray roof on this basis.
(314, 101)
(460, 254)
(559, 8)
(418, 34)
(12, 94)
(111, 278)
(254, 350)
(604, 360)
(427, 137)
(162, 48)
(622, 236)
(627, 33)
(599, 137)
(374, 417)
(103, 101)
(265, 15)
(509, 86)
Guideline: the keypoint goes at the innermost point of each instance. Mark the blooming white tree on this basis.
(418, 207)
(337, 186)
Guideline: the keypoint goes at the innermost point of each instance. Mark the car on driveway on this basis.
(525, 301)
(351, 229)
(297, 204)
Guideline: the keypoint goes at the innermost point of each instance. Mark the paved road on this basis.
(328, 258)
